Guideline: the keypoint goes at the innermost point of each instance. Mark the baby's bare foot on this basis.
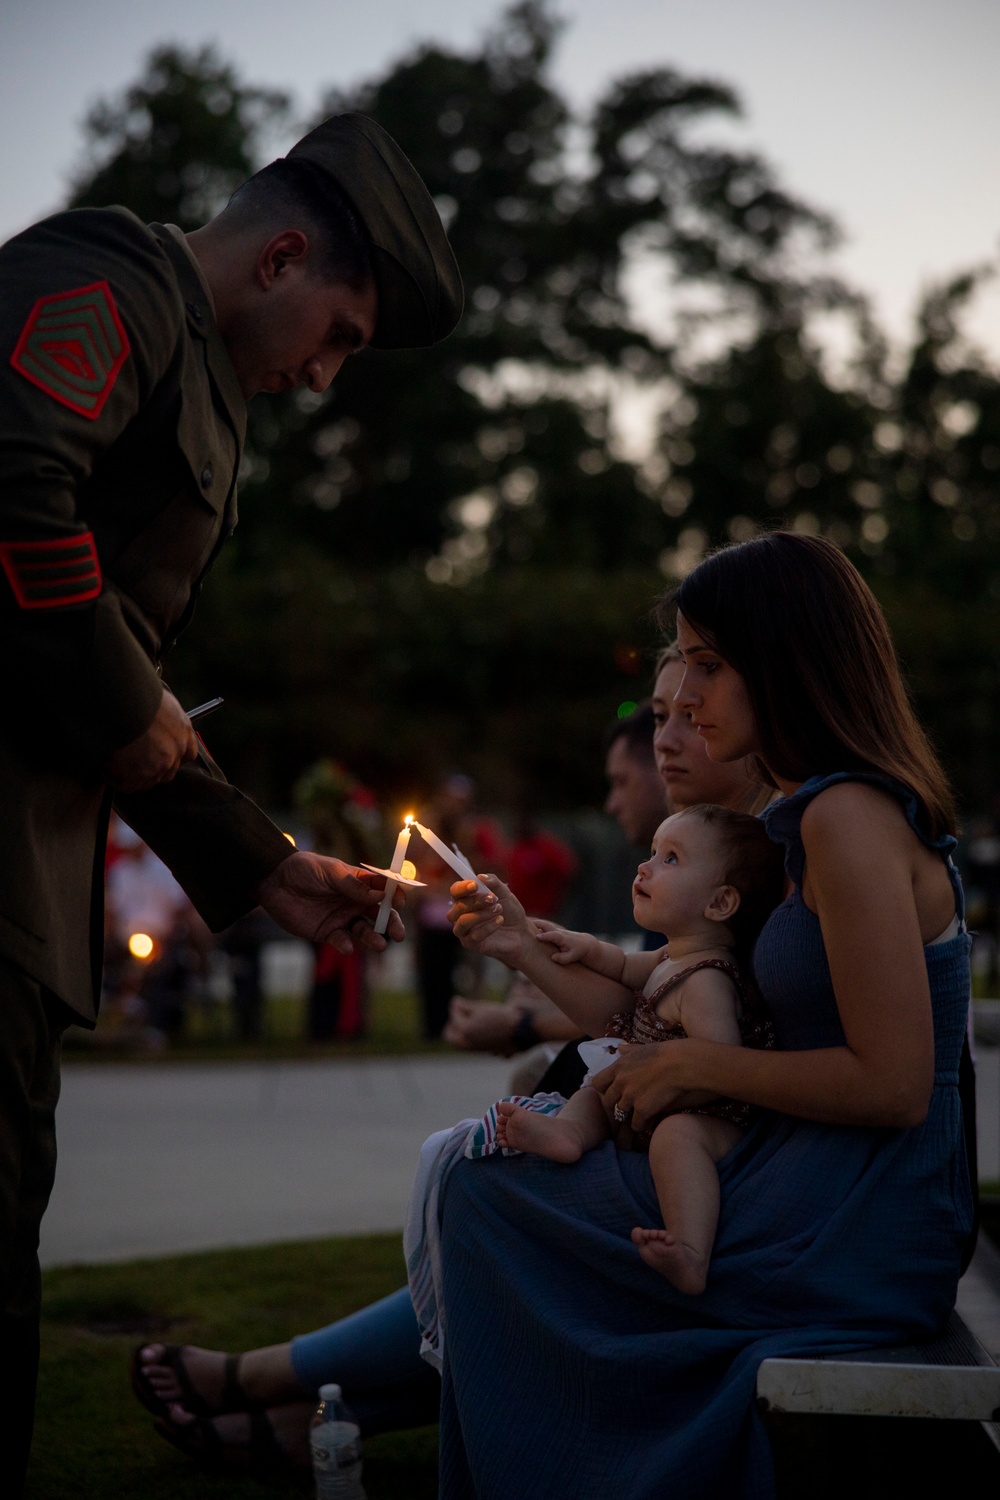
(543, 1135)
(683, 1267)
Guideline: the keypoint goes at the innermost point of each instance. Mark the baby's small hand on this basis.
(570, 947)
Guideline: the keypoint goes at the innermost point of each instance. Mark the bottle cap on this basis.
(329, 1392)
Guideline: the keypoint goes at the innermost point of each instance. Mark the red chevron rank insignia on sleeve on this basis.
(45, 575)
(72, 347)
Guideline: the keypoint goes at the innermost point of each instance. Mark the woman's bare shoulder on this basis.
(852, 802)
(853, 821)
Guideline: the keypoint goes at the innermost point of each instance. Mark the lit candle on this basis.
(453, 858)
(396, 865)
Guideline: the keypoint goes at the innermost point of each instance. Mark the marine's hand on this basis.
(158, 754)
(327, 901)
(482, 1026)
(567, 947)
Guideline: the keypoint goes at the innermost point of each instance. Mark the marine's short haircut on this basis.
(637, 732)
(752, 863)
(291, 194)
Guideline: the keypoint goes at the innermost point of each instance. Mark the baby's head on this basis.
(713, 872)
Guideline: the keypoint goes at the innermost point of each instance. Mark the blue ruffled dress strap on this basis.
(783, 820)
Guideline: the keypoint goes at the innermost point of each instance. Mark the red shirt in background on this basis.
(539, 871)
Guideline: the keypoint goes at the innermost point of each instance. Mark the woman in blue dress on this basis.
(571, 1369)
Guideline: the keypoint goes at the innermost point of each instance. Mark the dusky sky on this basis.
(884, 112)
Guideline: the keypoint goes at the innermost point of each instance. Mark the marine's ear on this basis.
(724, 904)
(289, 247)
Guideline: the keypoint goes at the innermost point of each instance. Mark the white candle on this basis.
(398, 855)
(452, 858)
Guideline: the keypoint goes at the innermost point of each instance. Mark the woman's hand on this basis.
(481, 1026)
(494, 924)
(646, 1082)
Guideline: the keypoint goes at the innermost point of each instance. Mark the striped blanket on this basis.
(421, 1231)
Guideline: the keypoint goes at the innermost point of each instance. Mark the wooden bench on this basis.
(954, 1378)
(949, 1385)
(951, 1377)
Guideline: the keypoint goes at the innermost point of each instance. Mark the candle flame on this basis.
(141, 945)
(410, 818)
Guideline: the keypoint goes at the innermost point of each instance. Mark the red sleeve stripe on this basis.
(48, 575)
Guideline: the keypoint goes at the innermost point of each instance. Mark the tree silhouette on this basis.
(175, 146)
(453, 538)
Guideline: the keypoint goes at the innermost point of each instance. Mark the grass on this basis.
(93, 1441)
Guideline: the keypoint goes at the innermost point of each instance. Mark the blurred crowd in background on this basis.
(168, 978)
(162, 965)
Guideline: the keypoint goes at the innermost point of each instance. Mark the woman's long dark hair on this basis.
(795, 618)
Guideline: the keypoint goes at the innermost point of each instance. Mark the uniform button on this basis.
(195, 311)
(206, 477)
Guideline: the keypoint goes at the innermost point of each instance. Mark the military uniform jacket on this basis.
(121, 429)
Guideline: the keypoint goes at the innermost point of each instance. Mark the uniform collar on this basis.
(180, 238)
(202, 325)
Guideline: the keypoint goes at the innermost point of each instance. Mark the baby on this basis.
(711, 881)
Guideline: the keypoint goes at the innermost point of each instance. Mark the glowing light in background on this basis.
(628, 659)
(141, 945)
(626, 708)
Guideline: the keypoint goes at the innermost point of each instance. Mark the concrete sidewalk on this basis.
(156, 1159)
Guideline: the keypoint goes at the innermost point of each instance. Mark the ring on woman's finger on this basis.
(621, 1115)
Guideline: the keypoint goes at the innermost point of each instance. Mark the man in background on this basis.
(637, 801)
(636, 798)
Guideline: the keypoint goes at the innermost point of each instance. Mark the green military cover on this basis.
(417, 276)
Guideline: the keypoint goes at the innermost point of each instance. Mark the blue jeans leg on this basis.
(374, 1355)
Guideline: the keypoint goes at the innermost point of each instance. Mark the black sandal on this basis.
(263, 1456)
(233, 1398)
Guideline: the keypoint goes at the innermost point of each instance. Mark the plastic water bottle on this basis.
(335, 1440)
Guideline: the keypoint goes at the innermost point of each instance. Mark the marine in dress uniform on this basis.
(122, 421)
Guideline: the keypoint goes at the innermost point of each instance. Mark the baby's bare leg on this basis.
(579, 1127)
(682, 1157)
